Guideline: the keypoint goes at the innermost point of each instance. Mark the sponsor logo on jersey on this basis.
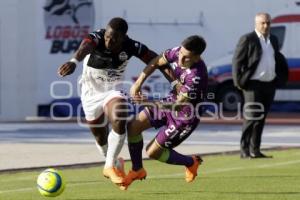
(67, 22)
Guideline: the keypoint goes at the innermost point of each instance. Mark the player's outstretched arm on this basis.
(85, 48)
(148, 70)
(168, 73)
(164, 69)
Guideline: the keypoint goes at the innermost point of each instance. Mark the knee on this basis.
(151, 154)
(130, 128)
(152, 151)
(134, 127)
(119, 126)
(118, 122)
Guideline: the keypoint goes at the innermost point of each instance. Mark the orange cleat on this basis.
(113, 174)
(191, 172)
(135, 175)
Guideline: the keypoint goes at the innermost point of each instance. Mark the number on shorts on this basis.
(171, 131)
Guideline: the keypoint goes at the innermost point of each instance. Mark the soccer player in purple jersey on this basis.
(178, 114)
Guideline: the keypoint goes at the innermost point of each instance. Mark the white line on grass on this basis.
(279, 164)
(16, 190)
(23, 178)
(229, 169)
(172, 175)
(34, 188)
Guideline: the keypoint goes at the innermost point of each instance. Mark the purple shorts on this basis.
(174, 130)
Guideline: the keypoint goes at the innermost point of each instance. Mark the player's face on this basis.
(262, 24)
(187, 58)
(113, 39)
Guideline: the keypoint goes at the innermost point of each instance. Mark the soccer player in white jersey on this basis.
(106, 53)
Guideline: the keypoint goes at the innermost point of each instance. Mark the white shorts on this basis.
(93, 106)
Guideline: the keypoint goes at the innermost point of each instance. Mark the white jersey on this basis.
(94, 81)
(103, 73)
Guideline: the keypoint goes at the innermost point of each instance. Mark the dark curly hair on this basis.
(118, 24)
(195, 43)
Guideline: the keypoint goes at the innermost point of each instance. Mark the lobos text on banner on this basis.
(67, 22)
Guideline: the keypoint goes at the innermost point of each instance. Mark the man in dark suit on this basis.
(258, 68)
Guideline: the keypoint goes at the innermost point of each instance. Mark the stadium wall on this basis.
(30, 54)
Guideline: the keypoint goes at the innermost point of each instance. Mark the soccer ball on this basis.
(50, 183)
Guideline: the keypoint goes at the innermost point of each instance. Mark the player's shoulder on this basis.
(97, 34)
(174, 50)
(200, 66)
(134, 47)
(198, 70)
(133, 43)
(171, 54)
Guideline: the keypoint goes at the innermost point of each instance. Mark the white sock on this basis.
(102, 149)
(115, 143)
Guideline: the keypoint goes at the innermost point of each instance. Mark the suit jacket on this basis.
(246, 59)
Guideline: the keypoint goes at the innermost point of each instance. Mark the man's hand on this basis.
(66, 69)
(135, 90)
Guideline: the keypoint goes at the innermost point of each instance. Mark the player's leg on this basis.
(96, 120)
(93, 105)
(100, 130)
(116, 111)
(135, 128)
(167, 155)
(135, 139)
(161, 149)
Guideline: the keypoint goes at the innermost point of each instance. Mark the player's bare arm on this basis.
(164, 69)
(148, 57)
(170, 76)
(85, 48)
(149, 69)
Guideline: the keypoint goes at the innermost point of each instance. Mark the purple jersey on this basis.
(179, 125)
(193, 80)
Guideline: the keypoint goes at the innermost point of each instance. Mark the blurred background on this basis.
(37, 36)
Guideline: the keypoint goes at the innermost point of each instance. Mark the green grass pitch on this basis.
(220, 177)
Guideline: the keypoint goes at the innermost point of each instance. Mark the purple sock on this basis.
(135, 146)
(176, 158)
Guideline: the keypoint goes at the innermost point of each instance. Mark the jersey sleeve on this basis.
(95, 37)
(138, 49)
(170, 55)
